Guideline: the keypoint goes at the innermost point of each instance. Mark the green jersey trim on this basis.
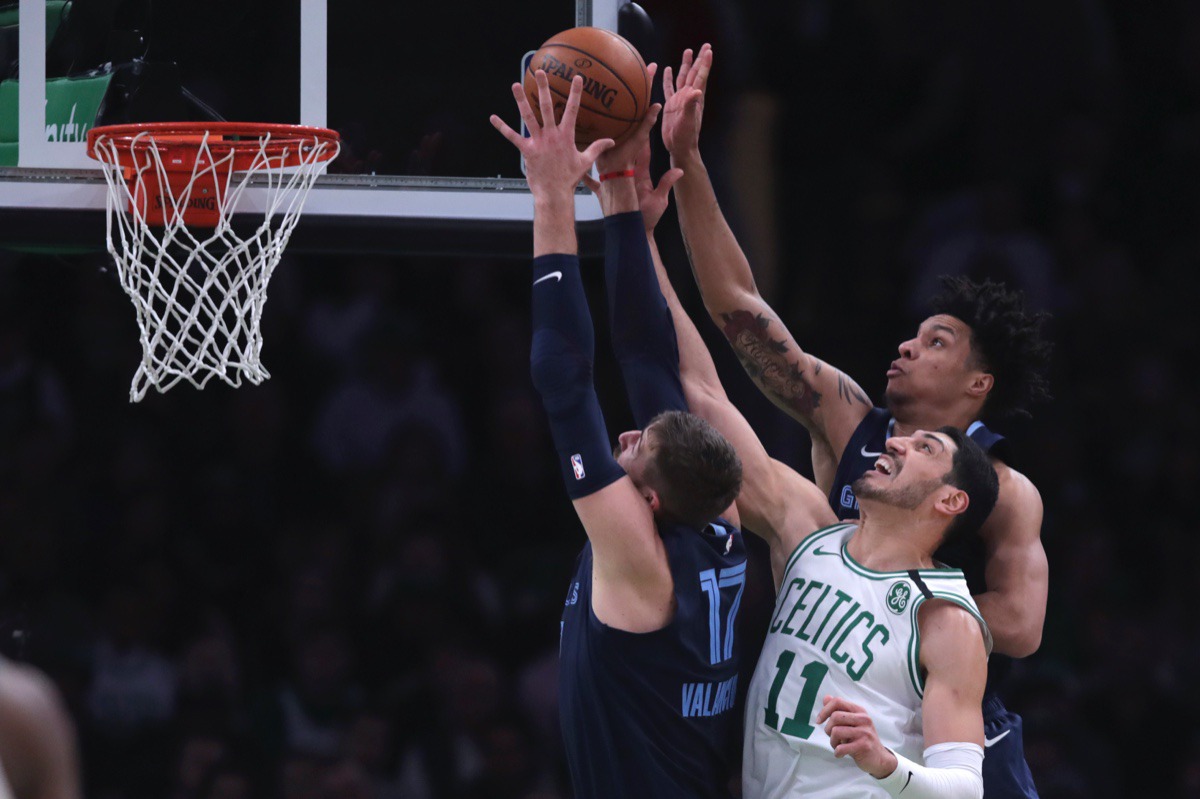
(811, 539)
(914, 643)
(871, 574)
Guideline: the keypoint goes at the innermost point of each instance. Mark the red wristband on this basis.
(622, 173)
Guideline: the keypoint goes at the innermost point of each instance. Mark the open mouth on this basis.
(886, 465)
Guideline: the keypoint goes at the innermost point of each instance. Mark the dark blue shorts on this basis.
(1005, 772)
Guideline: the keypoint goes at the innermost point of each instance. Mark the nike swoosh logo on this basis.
(819, 551)
(866, 454)
(906, 782)
(556, 275)
(990, 741)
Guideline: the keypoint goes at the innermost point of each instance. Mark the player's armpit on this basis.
(953, 657)
(1016, 571)
(632, 588)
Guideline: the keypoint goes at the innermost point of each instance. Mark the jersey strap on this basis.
(914, 645)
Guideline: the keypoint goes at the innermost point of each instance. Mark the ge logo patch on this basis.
(897, 597)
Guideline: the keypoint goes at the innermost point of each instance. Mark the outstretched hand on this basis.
(553, 166)
(652, 200)
(634, 153)
(684, 108)
(624, 155)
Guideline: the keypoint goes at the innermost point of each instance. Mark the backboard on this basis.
(409, 89)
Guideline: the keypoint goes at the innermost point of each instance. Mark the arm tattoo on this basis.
(849, 391)
(765, 360)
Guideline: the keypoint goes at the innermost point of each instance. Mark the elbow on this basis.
(1028, 643)
(1019, 642)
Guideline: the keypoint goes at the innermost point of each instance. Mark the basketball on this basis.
(616, 88)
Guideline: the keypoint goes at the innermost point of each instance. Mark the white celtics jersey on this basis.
(843, 630)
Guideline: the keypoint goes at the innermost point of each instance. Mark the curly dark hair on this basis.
(1006, 338)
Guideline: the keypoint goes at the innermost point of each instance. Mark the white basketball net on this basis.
(199, 301)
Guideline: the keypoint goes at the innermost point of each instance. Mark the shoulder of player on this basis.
(949, 633)
(1018, 508)
(1014, 481)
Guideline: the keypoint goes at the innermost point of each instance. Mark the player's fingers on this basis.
(668, 85)
(693, 100)
(651, 71)
(850, 749)
(836, 719)
(591, 183)
(545, 99)
(524, 109)
(685, 65)
(648, 121)
(572, 109)
(505, 131)
(829, 704)
(842, 736)
(703, 66)
(596, 148)
(668, 180)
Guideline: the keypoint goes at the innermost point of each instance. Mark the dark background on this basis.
(346, 582)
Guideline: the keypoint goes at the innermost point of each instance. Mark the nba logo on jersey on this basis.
(577, 465)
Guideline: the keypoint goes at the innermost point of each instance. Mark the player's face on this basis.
(909, 470)
(935, 361)
(634, 452)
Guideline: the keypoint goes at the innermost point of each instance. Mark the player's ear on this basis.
(953, 502)
(652, 498)
(980, 385)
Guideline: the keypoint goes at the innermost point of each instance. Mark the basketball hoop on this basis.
(197, 285)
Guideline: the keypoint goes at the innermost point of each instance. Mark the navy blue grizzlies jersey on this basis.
(864, 448)
(652, 714)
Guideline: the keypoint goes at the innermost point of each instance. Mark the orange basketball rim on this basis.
(184, 168)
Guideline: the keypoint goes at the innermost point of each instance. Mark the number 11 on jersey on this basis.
(813, 674)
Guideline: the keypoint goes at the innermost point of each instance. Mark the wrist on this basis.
(887, 766)
(626, 173)
(688, 160)
(617, 196)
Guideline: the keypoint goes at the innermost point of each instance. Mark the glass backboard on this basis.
(409, 90)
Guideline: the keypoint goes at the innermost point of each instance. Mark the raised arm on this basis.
(1017, 572)
(776, 503)
(823, 399)
(643, 339)
(632, 584)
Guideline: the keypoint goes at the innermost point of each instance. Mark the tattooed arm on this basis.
(820, 397)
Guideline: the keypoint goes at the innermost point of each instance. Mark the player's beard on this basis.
(907, 497)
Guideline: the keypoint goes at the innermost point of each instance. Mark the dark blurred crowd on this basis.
(345, 583)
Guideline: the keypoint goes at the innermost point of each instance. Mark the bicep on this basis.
(954, 659)
(1017, 571)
